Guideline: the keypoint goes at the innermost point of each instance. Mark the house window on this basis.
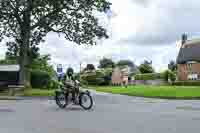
(193, 76)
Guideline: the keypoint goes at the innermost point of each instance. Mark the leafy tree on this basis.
(146, 67)
(42, 63)
(168, 74)
(172, 66)
(172, 76)
(90, 67)
(132, 67)
(13, 50)
(22, 19)
(125, 63)
(106, 63)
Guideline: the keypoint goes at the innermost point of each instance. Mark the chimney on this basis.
(184, 39)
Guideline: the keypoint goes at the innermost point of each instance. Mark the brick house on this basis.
(120, 76)
(188, 60)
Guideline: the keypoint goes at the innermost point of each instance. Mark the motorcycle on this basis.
(71, 94)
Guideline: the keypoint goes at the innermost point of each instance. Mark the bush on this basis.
(100, 77)
(53, 84)
(149, 76)
(172, 76)
(186, 83)
(40, 79)
(165, 75)
(77, 76)
(92, 78)
(168, 74)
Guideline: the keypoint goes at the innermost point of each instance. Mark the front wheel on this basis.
(85, 101)
(61, 99)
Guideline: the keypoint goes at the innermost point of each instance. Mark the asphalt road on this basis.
(111, 114)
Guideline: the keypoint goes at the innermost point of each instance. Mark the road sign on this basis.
(59, 69)
(60, 73)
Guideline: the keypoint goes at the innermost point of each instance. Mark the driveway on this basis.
(111, 114)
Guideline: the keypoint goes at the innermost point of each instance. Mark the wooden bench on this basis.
(13, 88)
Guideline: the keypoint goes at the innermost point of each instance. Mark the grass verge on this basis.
(39, 92)
(166, 92)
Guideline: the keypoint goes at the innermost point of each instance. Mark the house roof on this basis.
(9, 68)
(193, 42)
(188, 54)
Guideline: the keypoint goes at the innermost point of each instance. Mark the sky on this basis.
(138, 29)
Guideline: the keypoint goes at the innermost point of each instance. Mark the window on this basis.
(193, 76)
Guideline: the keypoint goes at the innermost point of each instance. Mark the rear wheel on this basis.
(85, 101)
(61, 99)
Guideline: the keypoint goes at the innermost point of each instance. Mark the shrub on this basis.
(148, 76)
(77, 76)
(165, 75)
(168, 74)
(40, 79)
(53, 84)
(92, 78)
(172, 76)
(100, 77)
(186, 83)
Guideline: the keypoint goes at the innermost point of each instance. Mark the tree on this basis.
(146, 67)
(106, 63)
(90, 67)
(13, 50)
(22, 19)
(125, 63)
(42, 63)
(168, 74)
(132, 67)
(172, 66)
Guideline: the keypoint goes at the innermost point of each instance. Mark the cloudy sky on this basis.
(139, 29)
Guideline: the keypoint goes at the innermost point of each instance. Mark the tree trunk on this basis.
(24, 48)
(24, 65)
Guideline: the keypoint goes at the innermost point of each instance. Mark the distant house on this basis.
(188, 60)
(120, 76)
(9, 75)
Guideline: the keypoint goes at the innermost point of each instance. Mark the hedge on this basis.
(153, 76)
(40, 79)
(149, 76)
(100, 77)
(186, 83)
(92, 78)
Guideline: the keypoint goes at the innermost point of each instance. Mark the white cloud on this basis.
(140, 29)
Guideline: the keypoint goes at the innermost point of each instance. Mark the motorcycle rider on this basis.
(71, 83)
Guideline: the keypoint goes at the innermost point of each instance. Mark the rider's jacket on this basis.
(69, 83)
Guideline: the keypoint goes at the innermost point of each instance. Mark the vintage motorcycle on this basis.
(72, 94)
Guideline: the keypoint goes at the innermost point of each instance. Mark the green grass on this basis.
(39, 92)
(169, 92)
